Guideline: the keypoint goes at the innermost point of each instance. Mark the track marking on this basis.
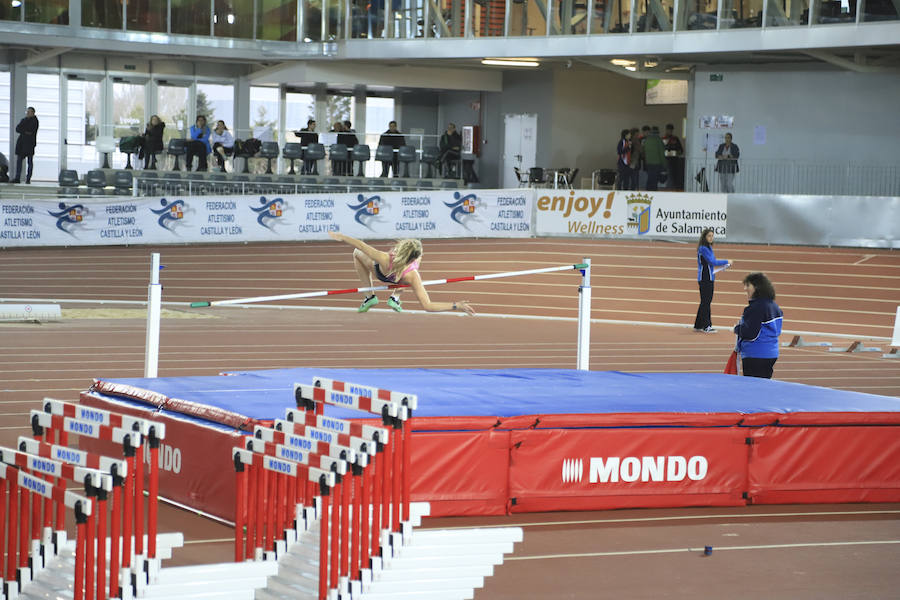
(687, 518)
(864, 259)
(700, 550)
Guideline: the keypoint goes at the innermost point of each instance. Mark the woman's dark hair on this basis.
(703, 241)
(625, 132)
(762, 287)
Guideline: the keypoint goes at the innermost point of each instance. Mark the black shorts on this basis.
(381, 276)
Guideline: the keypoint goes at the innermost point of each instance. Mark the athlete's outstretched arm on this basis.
(415, 282)
(376, 255)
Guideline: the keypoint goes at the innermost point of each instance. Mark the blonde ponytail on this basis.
(405, 252)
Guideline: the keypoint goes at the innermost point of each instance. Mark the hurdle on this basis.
(22, 564)
(584, 298)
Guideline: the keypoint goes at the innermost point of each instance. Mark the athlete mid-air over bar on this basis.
(400, 266)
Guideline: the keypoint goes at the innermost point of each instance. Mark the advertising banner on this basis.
(146, 220)
(628, 214)
(590, 469)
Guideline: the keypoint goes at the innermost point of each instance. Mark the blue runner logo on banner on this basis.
(170, 213)
(463, 208)
(366, 209)
(70, 217)
(271, 211)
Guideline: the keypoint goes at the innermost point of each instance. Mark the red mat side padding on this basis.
(824, 464)
(498, 470)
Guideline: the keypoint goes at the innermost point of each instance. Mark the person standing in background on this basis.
(674, 158)
(654, 158)
(153, 141)
(727, 156)
(393, 138)
(25, 144)
(758, 330)
(623, 149)
(308, 136)
(706, 279)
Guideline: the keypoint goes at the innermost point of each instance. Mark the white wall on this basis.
(808, 116)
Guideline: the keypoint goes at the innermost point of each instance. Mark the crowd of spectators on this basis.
(646, 159)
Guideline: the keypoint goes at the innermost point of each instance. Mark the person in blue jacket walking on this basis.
(758, 330)
(706, 278)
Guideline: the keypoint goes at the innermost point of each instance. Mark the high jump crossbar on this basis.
(579, 266)
(584, 304)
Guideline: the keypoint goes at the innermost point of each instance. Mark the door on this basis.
(519, 146)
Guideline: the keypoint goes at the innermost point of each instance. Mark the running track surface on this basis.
(644, 300)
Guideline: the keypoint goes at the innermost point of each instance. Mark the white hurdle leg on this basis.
(584, 319)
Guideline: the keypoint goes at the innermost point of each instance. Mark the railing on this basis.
(797, 178)
(331, 20)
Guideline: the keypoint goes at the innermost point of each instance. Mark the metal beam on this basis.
(41, 56)
(638, 74)
(850, 65)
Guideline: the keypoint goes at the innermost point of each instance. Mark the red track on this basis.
(825, 290)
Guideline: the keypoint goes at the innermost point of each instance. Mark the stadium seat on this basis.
(96, 181)
(106, 145)
(430, 157)
(360, 153)
(177, 147)
(314, 153)
(339, 157)
(122, 182)
(406, 155)
(269, 150)
(130, 144)
(292, 151)
(68, 182)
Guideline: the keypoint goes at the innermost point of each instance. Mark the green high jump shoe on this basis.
(394, 303)
(368, 303)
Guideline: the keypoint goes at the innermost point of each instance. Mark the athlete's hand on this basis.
(465, 306)
(336, 236)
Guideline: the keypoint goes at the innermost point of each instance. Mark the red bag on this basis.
(731, 367)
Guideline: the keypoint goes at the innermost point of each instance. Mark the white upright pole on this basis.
(584, 318)
(154, 303)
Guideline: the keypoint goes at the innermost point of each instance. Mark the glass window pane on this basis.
(880, 10)
(264, 113)
(43, 94)
(335, 10)
(827, 12)
(10, 12)
(527, 18)
(278, 20)
(190, 17)
(101, 13)
(216, 102)
(697, 14)
(654, 15)
(4, 113)
(299, 109)
(147, 15)
(171, 106)
(82, 113)
(233, 18)
(47, 11)
(787, 12)
(489, 17)
(738, 14)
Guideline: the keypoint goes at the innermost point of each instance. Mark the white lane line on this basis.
(688, 518)
(699, 550)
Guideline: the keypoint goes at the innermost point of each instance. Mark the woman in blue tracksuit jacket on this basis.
(706, 278)
(759, 328)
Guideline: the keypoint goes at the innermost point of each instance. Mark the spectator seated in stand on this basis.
(308, 136)
(4, 168)
(222, 143)
(153, 142)
(198, 145)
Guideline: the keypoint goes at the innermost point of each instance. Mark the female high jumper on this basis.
(399, 266)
